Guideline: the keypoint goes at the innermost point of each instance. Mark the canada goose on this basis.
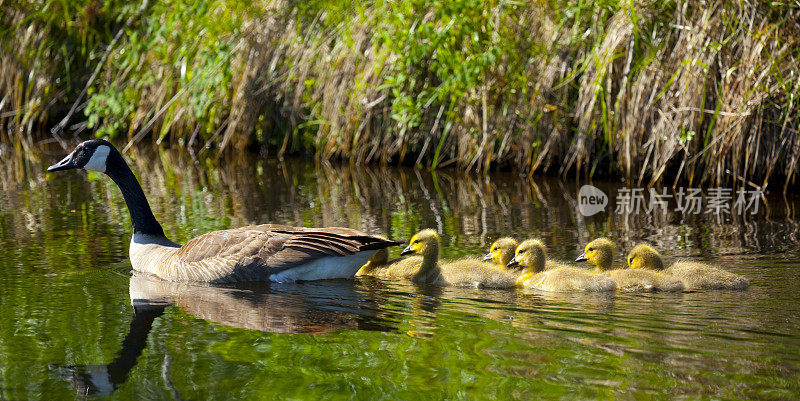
(462, 272)
(252, 253)
(532, 256)
(600, 253)
(501, 252)
(694, 275)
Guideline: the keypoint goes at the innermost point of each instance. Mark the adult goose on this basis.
(267, 252)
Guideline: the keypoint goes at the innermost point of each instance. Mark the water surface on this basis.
(74, 320)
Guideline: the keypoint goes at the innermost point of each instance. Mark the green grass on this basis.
(658, 93)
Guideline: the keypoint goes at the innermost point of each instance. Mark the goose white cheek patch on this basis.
(98, 160)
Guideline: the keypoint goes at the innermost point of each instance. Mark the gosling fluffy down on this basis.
(379, 266)
(531, 255)
(693, 275)
(600, 253)
(467, 272)
(501, 252)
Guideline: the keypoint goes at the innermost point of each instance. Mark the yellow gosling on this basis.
(378, 260)
(694, 275)
(600, 253)
(379, 266)
(531, 255)
(501, 252)
(464, 272)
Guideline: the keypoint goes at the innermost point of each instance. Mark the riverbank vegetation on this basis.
(693, 92)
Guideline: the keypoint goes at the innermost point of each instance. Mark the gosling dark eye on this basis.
(415, 242)
(521, 252)
(630, 260)
(590, 249)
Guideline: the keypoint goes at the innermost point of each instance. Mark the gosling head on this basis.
(599, 252)
(424, 243)
(95, 155)
(531, 255)
(380, 257)
(501, 251)
(643, 256)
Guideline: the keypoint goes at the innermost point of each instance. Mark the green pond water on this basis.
(74, 321)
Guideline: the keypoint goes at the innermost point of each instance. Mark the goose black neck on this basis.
(141, 216)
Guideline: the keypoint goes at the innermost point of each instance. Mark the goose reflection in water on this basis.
(296, 308)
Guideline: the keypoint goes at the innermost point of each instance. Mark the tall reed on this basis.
(692, 92)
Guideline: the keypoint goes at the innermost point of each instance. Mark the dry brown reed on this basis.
(699, 93)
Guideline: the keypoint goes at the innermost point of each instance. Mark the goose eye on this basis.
(416, 241)
(521, 252)
(630, 260)
(590, 249)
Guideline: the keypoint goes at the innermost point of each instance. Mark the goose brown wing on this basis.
(277, 247)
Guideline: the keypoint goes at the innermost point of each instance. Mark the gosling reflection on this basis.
(307, 308)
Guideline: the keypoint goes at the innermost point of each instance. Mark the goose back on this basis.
(258, 253)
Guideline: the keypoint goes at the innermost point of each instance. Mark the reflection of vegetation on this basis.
(63, 303)
(193, 198)
(638, 89)
(55, 320)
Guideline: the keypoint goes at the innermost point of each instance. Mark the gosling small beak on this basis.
(581, 258)
(406, 251)
(67, 163)
(513, 262)
(487, 257)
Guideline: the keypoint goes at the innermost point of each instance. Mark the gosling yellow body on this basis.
(380, 266)
(531, 255)
(468, 272)
(693, 275)
(600, 253)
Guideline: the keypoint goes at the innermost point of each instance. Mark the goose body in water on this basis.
(267, 252)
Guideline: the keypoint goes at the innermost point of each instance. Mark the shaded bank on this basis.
(691, 92)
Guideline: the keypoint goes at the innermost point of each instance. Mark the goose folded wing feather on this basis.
(273, 247)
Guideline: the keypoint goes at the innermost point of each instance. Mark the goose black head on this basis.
(100, 155)
(89, 155)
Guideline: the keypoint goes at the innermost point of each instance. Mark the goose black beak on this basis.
(487, 257)
(406, 251)
(581, 258)
(513, 262)
(66, 163)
